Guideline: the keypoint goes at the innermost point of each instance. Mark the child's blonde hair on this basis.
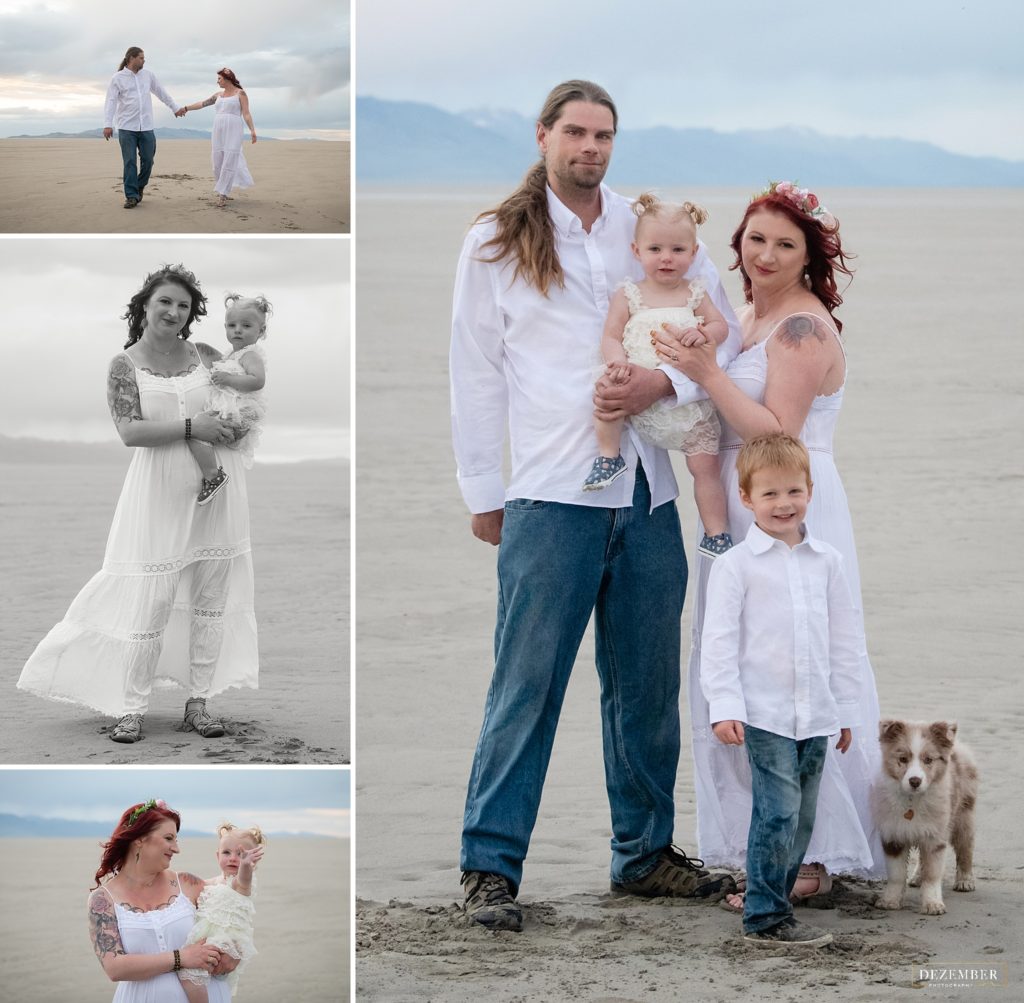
(259, 303)
(649, 206)
(777, 451)
(255, 833)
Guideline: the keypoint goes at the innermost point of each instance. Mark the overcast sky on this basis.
(63, 301)
(291, 56)
(277, 800)
(949, 73)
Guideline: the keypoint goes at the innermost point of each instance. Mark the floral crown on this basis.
(803, 199)
(137, 813)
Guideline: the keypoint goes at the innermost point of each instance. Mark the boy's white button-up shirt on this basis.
(129, 98)
(529, 362)
(782, 641)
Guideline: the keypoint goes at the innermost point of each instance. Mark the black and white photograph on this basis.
(175, 454)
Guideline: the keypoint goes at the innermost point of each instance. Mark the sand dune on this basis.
(74, 186)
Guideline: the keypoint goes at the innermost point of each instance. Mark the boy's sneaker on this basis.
(490, 902)
(715, 546)
(790, 933)
(603, 472)
(677, 876)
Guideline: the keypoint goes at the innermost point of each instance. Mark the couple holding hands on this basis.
(129, 106)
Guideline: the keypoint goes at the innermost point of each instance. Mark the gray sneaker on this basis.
(790, 933)
(677, 876)
(490, 902)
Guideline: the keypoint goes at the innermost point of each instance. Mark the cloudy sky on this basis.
(62, 324)
(292, 58)
(949, 73)
(278, 800)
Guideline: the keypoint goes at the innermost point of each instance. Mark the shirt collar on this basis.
(760, 542)
(565, 220)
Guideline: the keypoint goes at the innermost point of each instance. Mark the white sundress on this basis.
(173, 602)
(229, 167)
(245, 409)
(693, 428)
(845, 838)
(155, 932)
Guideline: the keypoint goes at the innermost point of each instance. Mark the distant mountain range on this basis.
(162, 133)
(404, 141)
(31, 826)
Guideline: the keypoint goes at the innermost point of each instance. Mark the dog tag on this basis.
(909, 813)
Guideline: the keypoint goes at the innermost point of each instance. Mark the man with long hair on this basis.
(129, 106)
(531, 295)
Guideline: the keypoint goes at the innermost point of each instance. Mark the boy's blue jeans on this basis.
(143, 144)
(785, 774)
(557, 564)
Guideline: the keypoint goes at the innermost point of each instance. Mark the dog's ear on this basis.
(943, 733)
(889, 729)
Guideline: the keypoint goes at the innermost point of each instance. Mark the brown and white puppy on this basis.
(925, 798)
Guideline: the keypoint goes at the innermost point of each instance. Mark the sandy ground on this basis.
(930, 450)
(300, 713)
(74, 186)
(302, 930)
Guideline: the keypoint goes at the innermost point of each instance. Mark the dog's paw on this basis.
(889, 901)
(964, 884)
(915, 880)
(932, 907)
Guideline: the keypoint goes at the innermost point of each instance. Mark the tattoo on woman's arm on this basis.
(106, 938)
(123, 391)
(208, 102)
(207, 352)
(797, 329)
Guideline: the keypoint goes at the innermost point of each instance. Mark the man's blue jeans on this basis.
(557, 564)
(785, 774)
(142, 144)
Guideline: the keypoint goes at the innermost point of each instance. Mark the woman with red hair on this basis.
(141, 915)
(232, 106)
(789, 377)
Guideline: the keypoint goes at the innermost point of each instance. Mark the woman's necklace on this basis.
(141, 884)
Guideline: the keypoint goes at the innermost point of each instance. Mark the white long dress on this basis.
(156, 932)
(229, 167)
(844, 839)
(174, 601)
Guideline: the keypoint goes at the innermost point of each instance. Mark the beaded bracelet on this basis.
(177, 962)
(188, 428)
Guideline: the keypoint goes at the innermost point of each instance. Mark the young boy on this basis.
(779, 670)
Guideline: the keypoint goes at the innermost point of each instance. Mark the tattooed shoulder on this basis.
(123, 391)
(190, 880)
(106, 938)
(801, 327)
(207, 352)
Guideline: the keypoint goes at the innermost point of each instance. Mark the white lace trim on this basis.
(172, 565)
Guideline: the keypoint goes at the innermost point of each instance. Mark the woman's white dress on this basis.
(173, 603)
(844, 839)
(156, 932)
(229, 167)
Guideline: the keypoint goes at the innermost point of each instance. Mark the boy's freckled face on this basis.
(778, 498)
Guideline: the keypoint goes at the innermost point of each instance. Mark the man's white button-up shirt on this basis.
(129, 99)
(530, 362)
(782, 641)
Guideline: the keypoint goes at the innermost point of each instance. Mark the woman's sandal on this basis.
(212, 486)
(197, 718)
(128, 729)
(817, 887)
